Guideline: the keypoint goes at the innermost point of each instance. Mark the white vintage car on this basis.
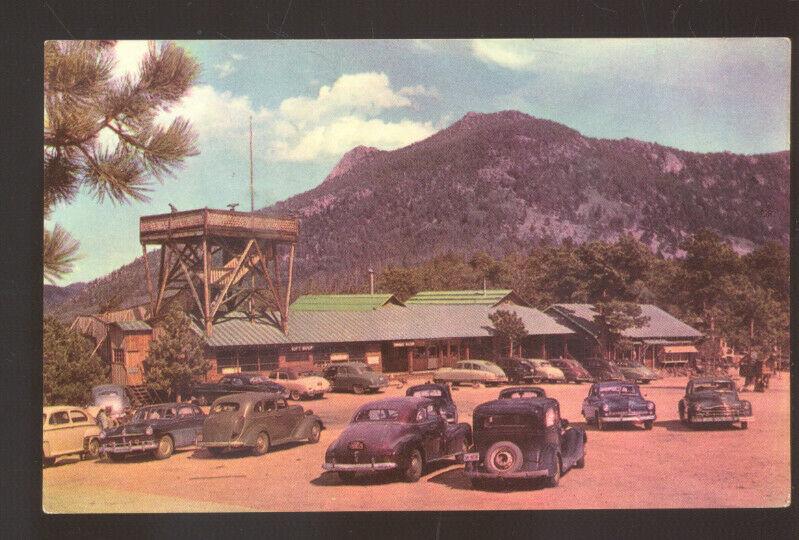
(68, 430)
(471, 371)
(300, 387)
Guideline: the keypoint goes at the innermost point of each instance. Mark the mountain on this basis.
(495, 182)
(53, 295)
(502, 182)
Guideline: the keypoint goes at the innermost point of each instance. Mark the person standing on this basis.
(104, 418)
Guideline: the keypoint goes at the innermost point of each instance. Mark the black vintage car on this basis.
(617, 402)
(517, 369)
(602, 370)
(402, 434)
(257, 420)
(522, 392)
(440, 395)
(206, 393)
(154, 429)
(354, 377)
(714, 400)
(573, 370)
(523, 438)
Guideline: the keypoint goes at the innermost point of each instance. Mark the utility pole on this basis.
(371, 280)
(252, 222)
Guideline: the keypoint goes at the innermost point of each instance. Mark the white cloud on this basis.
(344, 133)
(419, 90)
(129, 55)
(236, 56)
(510, 53)
(302, 128)
(365, 93)
(224, 69)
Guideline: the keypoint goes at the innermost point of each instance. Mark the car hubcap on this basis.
(315, 432)
(260, 444)
(164, 446)
(503, 460)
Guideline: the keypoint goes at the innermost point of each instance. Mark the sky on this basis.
(312, 101)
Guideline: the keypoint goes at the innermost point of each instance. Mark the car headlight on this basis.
(102, 434)
(605, 407)
(148, 430)
(650, 405)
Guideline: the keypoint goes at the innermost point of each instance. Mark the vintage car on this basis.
(113, 395)
(713, 399)
(636, 372)
(602, 370)
(354, 377)
(68, 430)
(155, 429)
(543, 370)
(440, 395)
(206, 393)
(522, 392)
(617, 402)
(572, 370)
(471, 371)
(517, 369)
(523, 438)
(300, 386)
(259, 421)
(402, 434)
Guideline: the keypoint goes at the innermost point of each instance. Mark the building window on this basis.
(118, 356)
(251, 359)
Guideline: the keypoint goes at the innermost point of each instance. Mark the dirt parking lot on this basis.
(626, 467)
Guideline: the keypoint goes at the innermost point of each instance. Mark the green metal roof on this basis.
(388, 324)
(488, 297)
(660, 324)
(133, 326)
(342, 302)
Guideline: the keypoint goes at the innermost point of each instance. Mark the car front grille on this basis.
(719, 410)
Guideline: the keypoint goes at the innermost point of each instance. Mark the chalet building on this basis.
(664, 340)
(430, 330)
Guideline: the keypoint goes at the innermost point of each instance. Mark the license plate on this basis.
(472, 456)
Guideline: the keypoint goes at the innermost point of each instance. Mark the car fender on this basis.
(548, 456)
(46, 449)
(303, 428)
(404, 444)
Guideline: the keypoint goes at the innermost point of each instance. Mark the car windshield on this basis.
(256, 380)
(522, 394)
(376, 415)
(718, 386)
(428, 392)
(623, 389)
(225, 406)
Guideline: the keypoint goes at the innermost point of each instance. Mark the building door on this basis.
(118, 373)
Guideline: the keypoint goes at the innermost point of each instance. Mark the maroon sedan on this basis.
(402, 434)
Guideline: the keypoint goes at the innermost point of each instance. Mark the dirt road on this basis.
(626, 467)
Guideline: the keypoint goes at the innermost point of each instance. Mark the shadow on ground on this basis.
(676, 425)
(238, 453)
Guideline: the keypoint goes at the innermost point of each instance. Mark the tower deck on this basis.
(159, 228)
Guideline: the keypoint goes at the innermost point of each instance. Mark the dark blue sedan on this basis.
(617, 402)
(156, 430)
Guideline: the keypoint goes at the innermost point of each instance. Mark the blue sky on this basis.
(311, 101)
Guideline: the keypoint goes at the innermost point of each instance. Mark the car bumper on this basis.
(358, 467)
(518, 474)
(313, 393)
(728, 418)
(629, 418)
(220, 444)
(125, 448)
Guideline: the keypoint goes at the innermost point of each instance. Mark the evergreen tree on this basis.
(83, 102)
(69, 370)
(176, 356)
(613, 318)
(509, 327)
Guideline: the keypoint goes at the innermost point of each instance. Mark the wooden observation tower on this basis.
(210, 252)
